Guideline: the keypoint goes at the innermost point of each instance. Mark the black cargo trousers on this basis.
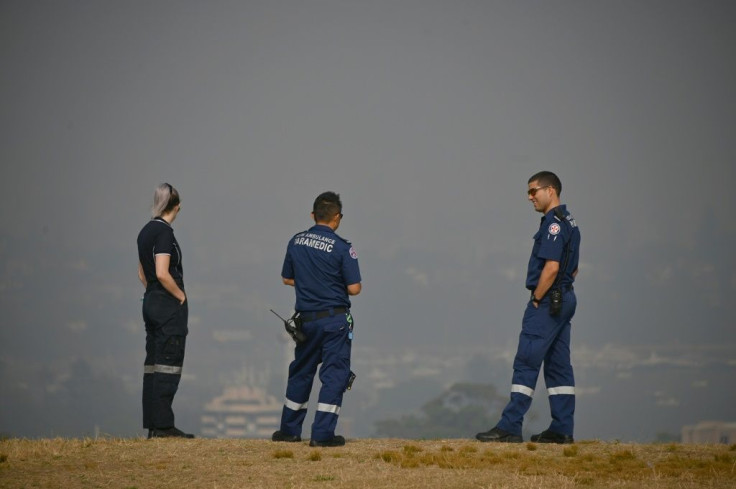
(166, 332)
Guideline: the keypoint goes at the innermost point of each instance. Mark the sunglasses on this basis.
(533, 191)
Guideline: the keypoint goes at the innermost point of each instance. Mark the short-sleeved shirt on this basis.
(549, 244)
(157, 238)
(322, 265)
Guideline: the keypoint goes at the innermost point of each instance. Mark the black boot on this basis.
(548, 436)
(499, 435)
(335, 441)
(172, 432)
(281, 436)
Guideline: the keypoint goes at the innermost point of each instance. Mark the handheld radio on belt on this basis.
(293, 327)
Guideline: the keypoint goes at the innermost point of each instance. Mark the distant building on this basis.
(710, 432)
(241, 412)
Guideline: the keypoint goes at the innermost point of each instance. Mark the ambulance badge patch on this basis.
(554, 229)
(354, 254)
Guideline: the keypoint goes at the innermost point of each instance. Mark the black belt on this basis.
(313, 316)
(565, 288)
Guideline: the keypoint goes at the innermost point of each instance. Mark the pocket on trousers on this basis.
(535, 321)
(176, 323)
(173, 350)
(337, 325)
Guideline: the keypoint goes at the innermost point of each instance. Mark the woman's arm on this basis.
(163, 276)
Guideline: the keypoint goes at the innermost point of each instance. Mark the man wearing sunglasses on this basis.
(545, 329)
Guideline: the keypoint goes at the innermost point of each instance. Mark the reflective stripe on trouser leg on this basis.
(328, 408)
(294, 406)
(522, 389)
(333, 374)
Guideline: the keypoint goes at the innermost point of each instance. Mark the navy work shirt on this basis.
(322, 265)
(549, 244)
(157, 238)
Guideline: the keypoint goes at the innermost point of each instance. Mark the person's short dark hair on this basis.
(547, 179)
(326, 206)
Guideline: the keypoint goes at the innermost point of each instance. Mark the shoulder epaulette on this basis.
(559, 215)
(346, 241)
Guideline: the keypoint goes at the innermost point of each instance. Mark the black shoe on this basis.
(335, 441)
(281, 436)
(172, 432)
(548, 436)
(499, 435)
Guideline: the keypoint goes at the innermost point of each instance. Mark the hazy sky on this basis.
(426, 116)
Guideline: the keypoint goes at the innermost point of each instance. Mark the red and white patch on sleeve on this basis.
(353, 253)
(554, 229)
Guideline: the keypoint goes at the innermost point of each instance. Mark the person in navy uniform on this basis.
(323, 269)
(545, 330)
(165, 313)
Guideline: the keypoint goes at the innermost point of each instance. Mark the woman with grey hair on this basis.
(165, 313)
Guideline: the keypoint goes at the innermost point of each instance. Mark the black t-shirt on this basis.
(157, 238)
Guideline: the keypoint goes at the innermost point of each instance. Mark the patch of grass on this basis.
(532, 447)
(389, 456)
(3, 457)
(571, 451)
(283, 454)
(410, 463)
(363, 464)
(722, 457)
(411, 449)
(622, 455)
(489, 456)
(587, 457)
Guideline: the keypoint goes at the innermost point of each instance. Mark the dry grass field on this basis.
(363, 463)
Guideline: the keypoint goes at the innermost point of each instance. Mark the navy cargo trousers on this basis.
(329, 343)
(543, 339)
